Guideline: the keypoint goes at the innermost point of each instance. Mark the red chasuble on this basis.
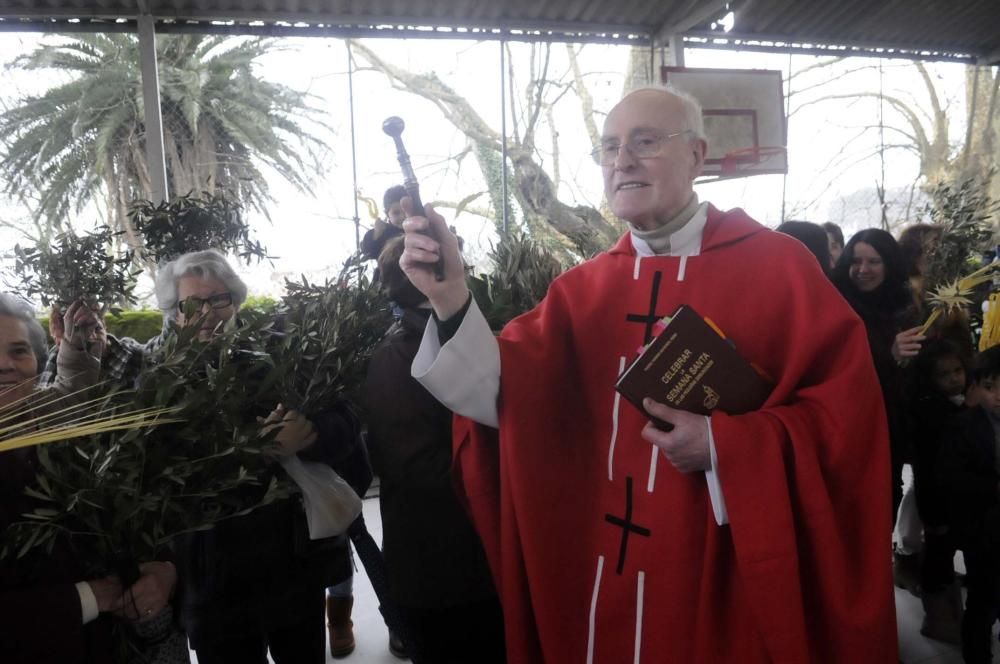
(603, 553)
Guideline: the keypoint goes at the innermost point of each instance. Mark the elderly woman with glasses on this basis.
(256, 583)
(199, 288)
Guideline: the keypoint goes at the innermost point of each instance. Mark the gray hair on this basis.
(209, 263)
(693, 120)
(19, 309)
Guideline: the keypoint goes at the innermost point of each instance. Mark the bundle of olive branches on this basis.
(122, 494)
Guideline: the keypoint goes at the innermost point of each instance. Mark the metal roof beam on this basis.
(326, 20)
(210, 22)
(702, 12)
(990, 59)
(785, 44)
(262, 29)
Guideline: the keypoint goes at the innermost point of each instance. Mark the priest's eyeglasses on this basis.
(217, 301)
(640, 146)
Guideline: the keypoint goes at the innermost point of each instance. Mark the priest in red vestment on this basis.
(761, 537)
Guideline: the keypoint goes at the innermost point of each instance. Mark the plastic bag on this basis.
(330, 503)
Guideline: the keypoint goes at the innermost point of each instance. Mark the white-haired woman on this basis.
(49, 614)
(253, 584)
(202, 282)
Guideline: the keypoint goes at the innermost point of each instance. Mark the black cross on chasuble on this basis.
(650, 318)
(626, 525)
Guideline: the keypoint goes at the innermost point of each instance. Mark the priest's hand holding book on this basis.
(690, 364)
(428, 241)
(686, 445)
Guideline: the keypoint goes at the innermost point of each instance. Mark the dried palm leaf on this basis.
(957, 294)
(42, 433)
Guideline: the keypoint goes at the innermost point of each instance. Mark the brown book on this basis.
(690, 366)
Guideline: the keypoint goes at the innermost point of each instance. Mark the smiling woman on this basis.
(22, 350)
(871, 275)
(48, 614)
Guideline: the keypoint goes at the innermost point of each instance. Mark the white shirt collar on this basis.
(685, 242)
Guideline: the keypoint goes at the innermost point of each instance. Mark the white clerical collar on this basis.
(685, 242)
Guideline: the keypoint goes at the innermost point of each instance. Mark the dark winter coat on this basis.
(41, 621)
(258, 569)
(932, 420)
(970, 478)
(433, 556)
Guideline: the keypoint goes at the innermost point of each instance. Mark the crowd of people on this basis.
(530, 515)
(938, 396)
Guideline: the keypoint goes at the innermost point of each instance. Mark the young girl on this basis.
(939, 395)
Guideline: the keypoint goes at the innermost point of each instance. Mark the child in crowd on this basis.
(971, 481)
(939, 396)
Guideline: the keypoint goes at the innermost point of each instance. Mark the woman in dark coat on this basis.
(437, 570)
(49, 614)
(871, 275)
(254, 585)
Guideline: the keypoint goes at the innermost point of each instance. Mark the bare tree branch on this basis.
(923, 144)
(556, 179)
(533, 188)
(455, 108)
(513, 100)
(824, 82)
(586, 100)
(818, 65)
(535, 101)
(485, 213)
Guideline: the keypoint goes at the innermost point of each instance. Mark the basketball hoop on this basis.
(745, 158)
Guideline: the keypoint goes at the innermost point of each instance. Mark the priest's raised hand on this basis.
(428, 240)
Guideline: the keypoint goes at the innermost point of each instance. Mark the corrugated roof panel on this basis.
(950, 26)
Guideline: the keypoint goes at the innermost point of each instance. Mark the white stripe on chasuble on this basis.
(652, 468)
(593, 610)
(614, 423)
(635, 270)
(682, 269)
(640, 591)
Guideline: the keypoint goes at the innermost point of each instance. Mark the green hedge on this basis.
(141, 325)
(144, 324)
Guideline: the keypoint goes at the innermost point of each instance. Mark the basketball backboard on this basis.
(744, 118)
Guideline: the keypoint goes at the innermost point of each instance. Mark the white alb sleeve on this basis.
(464, 373)
(714, 486)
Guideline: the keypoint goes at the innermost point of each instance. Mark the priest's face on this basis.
(867, 268)
(648, 190)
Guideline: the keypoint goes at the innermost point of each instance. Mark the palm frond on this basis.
(957, 295)
(97, 424)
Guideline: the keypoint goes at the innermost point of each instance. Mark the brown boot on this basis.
(338, 614)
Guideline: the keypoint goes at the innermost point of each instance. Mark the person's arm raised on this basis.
(427, 241)
(462, 372)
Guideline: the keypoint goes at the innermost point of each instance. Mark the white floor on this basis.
(369, 629)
